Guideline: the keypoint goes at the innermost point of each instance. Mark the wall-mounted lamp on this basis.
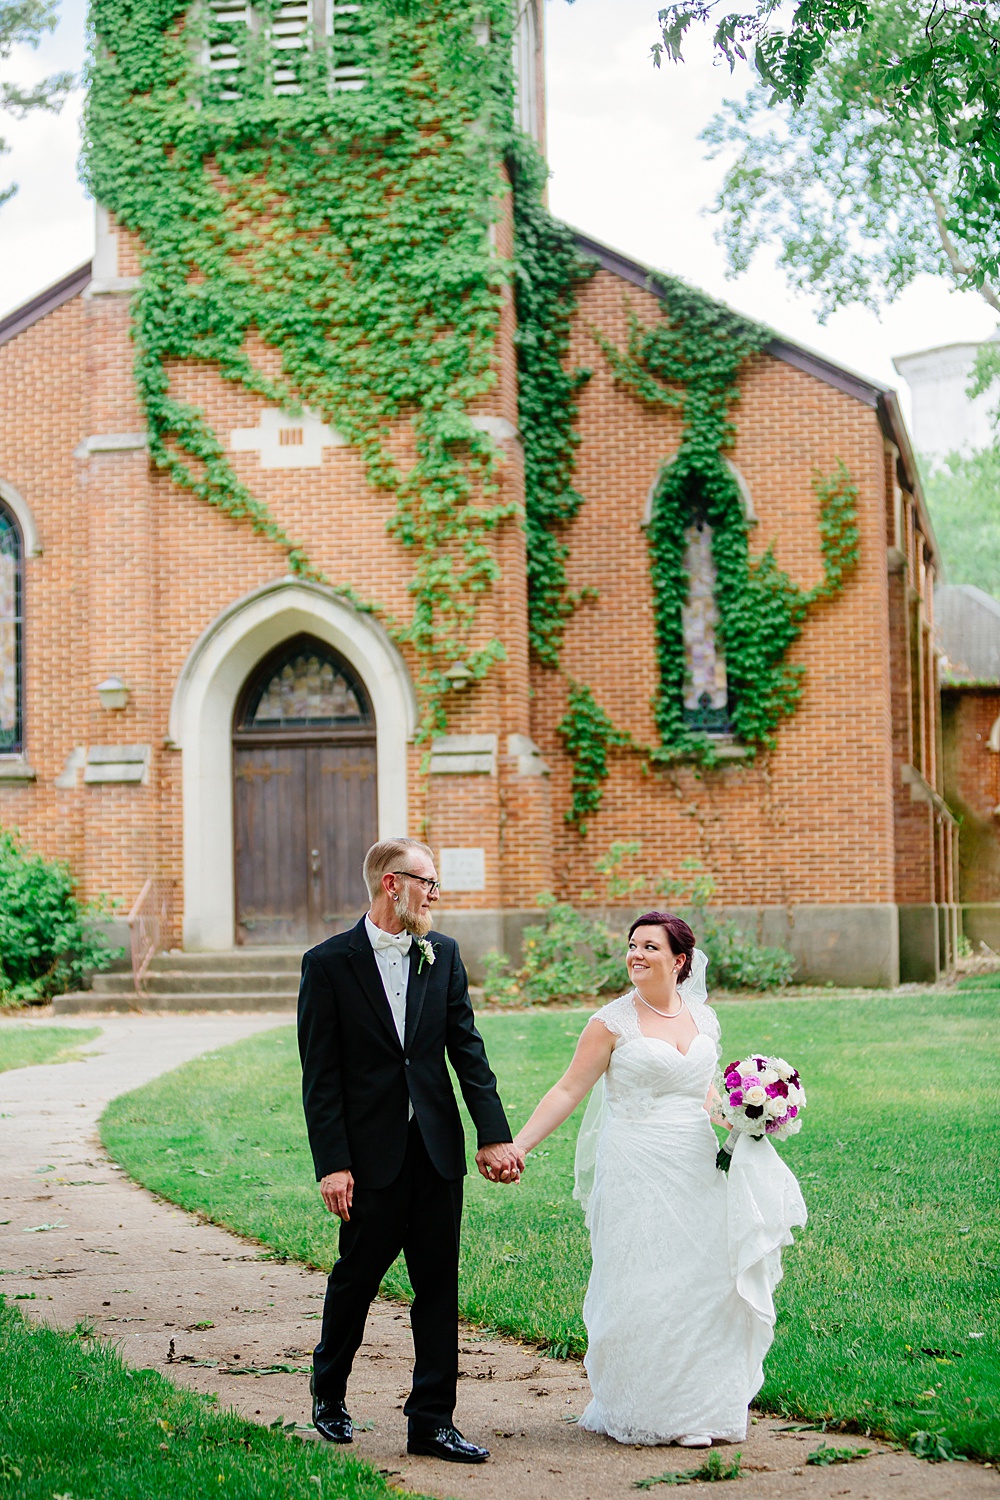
(113, 693)
(458, 676)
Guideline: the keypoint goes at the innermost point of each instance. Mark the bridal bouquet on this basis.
(763, 1096)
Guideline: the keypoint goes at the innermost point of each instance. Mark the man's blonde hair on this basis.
(386, 855)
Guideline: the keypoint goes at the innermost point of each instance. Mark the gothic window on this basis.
(706, 688)
(291, 27)
(526, 67)
(304, 685)
(11, 627)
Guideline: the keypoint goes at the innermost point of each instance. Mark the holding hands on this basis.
(502, 1162)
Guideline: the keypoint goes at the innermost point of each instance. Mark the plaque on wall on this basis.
(463, 870)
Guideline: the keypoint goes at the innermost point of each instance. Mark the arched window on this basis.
(11, 633)
(526, 68)
(304, 685)
(706, 687)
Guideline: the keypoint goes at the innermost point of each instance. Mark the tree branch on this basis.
(960, 267)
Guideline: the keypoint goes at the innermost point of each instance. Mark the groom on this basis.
(380, 1009)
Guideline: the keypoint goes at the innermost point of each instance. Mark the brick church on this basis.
(182, 702)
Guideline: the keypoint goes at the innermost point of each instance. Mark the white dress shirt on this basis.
(394, 971)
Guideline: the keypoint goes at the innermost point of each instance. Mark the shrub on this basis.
(737, 962)
(48, 943)
(567, 955)
(570, 954)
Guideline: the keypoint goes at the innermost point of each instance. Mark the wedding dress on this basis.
(679, 1310)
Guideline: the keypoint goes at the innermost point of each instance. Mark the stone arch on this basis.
(201, 717)
(22, 513)
(746, 498)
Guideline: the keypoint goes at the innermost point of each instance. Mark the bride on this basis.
(679, 1311)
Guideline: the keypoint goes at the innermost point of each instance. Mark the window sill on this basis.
(13, 768)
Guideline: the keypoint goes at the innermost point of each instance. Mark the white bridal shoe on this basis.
(694, 1440)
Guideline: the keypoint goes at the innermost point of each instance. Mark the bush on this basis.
(737, 962)
(571, 955)
(47, 939)
(566, 956)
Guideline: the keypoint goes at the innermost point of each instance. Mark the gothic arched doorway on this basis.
(304, 795)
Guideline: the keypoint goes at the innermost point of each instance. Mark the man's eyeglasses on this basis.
(433, 886)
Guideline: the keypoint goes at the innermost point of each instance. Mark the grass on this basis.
(888, 1316)
(144, 1436)
(28, 1046)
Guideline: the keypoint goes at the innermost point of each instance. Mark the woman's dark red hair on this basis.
(679, 936)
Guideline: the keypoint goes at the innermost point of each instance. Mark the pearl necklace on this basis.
(668, 1015)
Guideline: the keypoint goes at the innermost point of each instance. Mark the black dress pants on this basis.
(420, 1214)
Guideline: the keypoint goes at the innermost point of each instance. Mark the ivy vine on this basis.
(548, 267)
(588, 734)
(325, 248)
(691, 361)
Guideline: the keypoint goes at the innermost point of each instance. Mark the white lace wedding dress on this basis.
(679, 1311)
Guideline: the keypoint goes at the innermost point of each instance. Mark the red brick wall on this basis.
(812, 821)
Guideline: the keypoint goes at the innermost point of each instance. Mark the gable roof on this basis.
(881, 398)
(54, 296)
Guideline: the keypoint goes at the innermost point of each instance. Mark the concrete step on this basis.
(229, 960)
(193, 982)
(90, 1002)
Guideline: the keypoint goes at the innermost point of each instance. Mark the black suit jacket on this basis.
(357, 1080)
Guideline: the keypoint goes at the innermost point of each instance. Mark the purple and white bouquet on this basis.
(763, 1097)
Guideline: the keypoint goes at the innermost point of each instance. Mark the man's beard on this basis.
(415, 921)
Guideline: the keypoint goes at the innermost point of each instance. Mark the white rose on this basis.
(756, 1095)
(768, 1076)
(747, 1069)
(775, 1108)
(783, 1069)
(795, 1094)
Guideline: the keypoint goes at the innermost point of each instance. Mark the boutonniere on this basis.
(427, 954)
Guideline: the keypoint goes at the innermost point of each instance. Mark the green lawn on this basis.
(889, 1316)
(75, 1421)
(27, 1046)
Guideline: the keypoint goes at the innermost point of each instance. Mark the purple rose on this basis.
(736, 1098)
(752, 1082)
(791, 1112)
(761, 1063)
(733, 1079)
(754, 1111)
(777, 1090)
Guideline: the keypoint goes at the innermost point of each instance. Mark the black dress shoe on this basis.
(332, 1421)
(446, 1443)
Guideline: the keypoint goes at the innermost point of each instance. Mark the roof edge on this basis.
(882, 399)
(45, 302)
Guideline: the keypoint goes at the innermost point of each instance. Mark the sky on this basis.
(627, 168)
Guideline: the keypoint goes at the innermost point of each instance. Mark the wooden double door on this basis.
(305, 813)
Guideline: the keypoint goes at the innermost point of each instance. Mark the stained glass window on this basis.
(706, 687)
(11, 592)
(308, 687)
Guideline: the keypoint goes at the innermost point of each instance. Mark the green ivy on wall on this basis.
(330, 249)
(588, 734)
(548, 267)
(691, 361)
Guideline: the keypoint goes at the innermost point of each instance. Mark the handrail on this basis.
(147, 926)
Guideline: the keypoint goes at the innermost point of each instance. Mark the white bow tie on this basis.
(399, 940)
